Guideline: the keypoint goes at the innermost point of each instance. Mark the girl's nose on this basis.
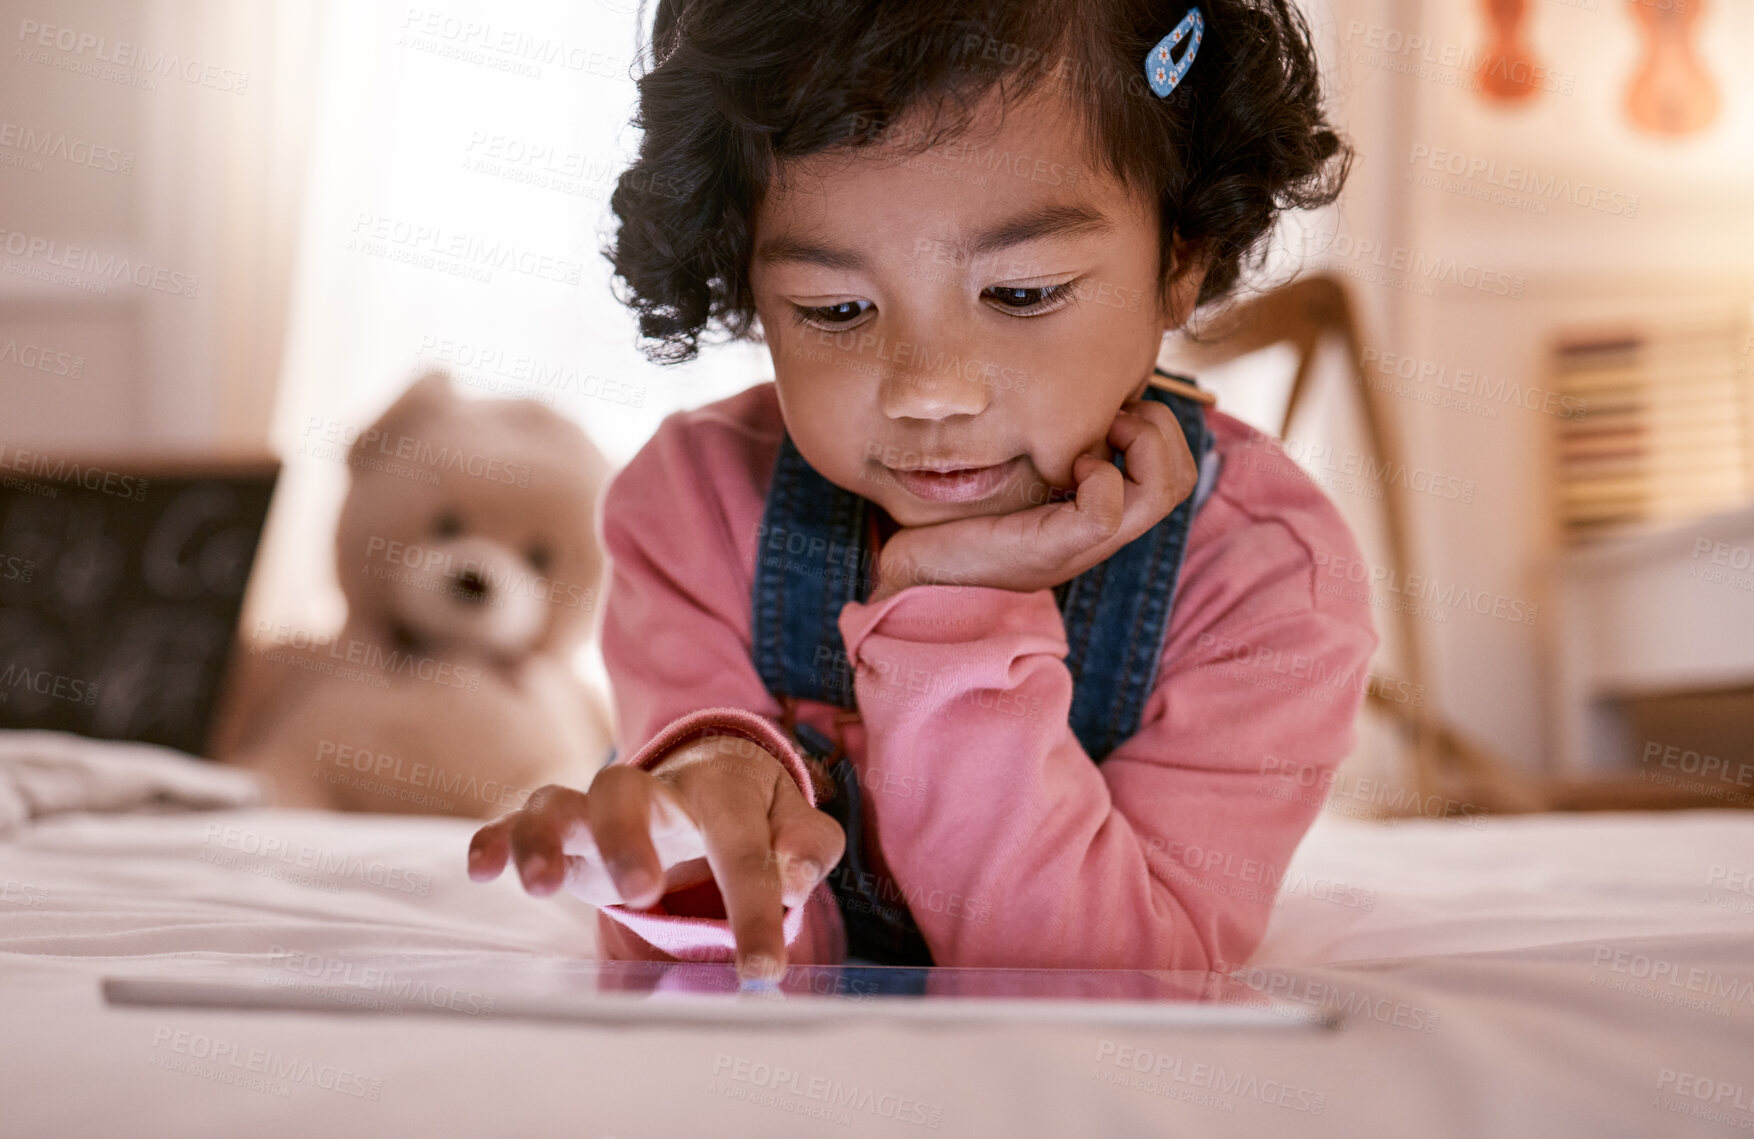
(933, 386)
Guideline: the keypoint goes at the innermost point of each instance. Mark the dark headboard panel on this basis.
(120, 588)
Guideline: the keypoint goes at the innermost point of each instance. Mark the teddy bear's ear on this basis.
(425, 396)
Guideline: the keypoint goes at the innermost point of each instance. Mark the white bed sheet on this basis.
(1491, 984)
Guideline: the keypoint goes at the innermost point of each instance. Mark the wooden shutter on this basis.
(1657, 426)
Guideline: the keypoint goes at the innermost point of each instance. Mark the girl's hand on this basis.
(719, 807)
(1042, 546)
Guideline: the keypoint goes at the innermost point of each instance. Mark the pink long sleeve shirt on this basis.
(982, 810)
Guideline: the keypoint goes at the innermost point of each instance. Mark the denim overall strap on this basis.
(1116, 614)
(813, 556)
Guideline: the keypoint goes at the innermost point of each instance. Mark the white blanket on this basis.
(48, 773)
(1549, 975)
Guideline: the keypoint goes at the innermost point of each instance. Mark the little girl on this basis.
(973, 638)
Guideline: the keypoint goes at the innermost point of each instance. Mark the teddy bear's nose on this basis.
(471, 587)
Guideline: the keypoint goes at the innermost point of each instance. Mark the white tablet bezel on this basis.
(635, 993)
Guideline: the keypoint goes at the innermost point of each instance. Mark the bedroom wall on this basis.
(150, 161)
(1674, 235)
(205, 195)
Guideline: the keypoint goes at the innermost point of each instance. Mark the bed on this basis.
(1587, 975)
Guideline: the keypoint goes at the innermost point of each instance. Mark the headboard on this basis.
(121, 580)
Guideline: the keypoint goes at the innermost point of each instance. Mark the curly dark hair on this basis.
(733, 87)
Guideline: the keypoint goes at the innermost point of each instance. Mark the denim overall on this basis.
(815, 556)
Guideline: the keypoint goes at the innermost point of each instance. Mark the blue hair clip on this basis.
(1164, 75)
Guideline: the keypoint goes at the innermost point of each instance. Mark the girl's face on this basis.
(990, 303)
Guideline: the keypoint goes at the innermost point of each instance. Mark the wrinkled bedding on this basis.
(1541, 975)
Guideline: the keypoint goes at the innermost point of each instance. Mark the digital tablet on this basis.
(633, 993)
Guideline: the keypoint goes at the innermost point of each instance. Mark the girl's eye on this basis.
(833, 316)
(1012, 299)
(1019, 301)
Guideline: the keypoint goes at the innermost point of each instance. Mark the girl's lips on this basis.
(970, 485)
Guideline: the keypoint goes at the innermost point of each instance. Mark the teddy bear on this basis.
(468, 555)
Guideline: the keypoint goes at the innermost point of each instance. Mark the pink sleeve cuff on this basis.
(726, 722)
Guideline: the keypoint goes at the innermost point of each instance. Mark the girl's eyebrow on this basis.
(1053, 220)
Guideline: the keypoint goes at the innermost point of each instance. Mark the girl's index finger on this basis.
(739, 848)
